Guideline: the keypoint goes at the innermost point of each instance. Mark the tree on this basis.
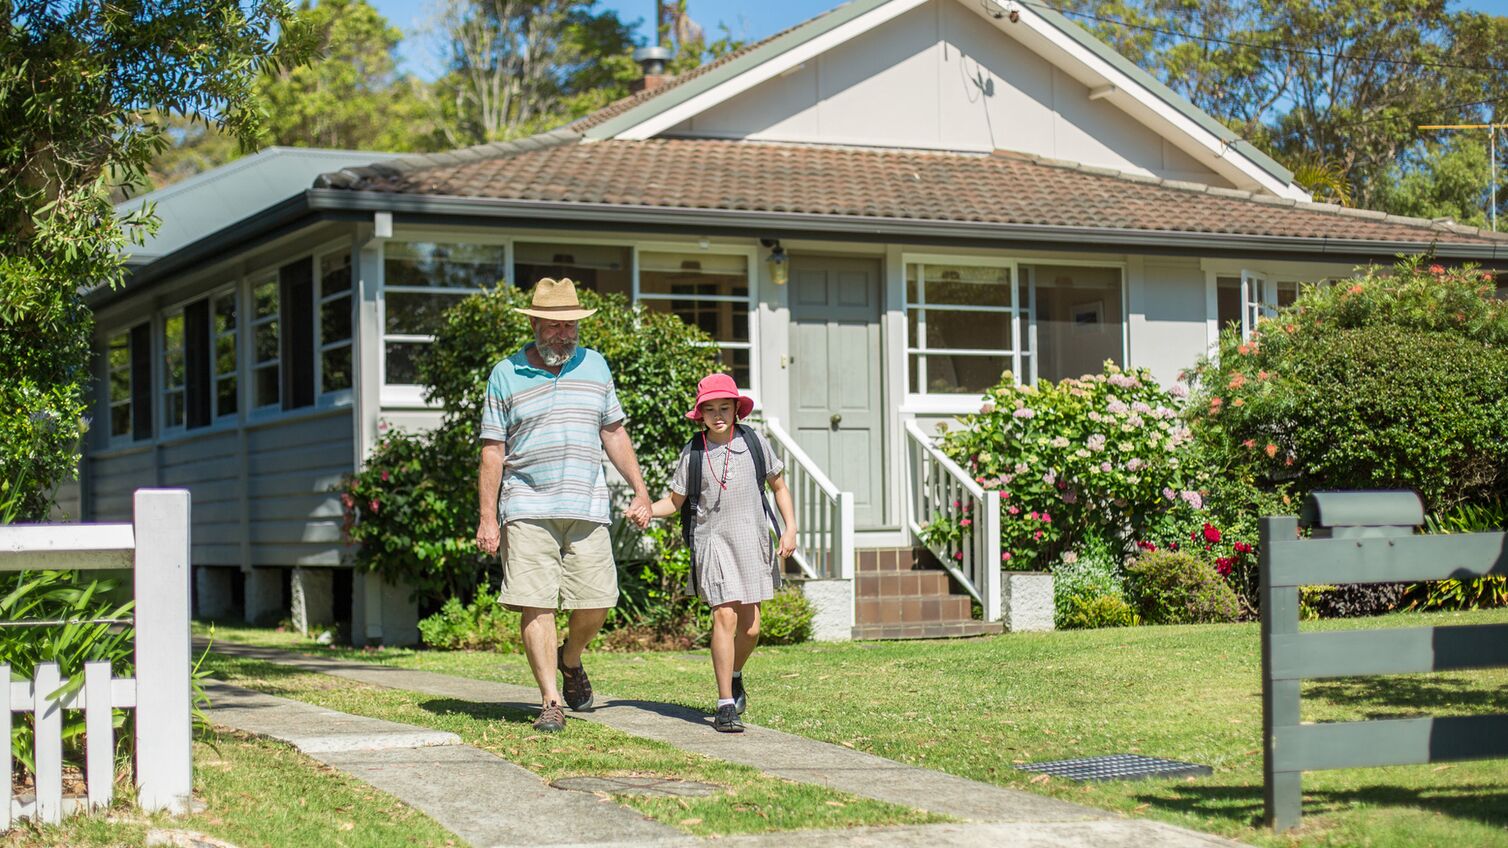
(521, 66)
(354, 97)
(81, 84)
(1446, 179)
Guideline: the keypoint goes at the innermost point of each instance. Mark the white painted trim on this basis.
(769, 69)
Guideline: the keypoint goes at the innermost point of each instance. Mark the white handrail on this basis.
(825, 523)
(975, 561)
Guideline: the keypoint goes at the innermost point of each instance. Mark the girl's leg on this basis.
(747, 636)
(724, 625)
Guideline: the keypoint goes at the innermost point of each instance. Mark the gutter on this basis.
(316, 205)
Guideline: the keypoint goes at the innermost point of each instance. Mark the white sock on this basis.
(725, 702)
(738, 674)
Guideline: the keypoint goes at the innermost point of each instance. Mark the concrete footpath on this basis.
(988, 814)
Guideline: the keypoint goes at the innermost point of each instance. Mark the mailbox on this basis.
(1356, 515)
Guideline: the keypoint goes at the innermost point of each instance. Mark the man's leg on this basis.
(584, 625)
(538, 629)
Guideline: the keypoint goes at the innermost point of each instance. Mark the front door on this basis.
(837, 411)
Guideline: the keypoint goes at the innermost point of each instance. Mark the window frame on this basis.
(917, 396)
(248, 365)
(128, 438)
(321, 345)
(168, 429)
(215, 296)
(751, 300)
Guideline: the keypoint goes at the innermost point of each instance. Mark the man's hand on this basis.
(787, 543)
(639, 512)
(488, 537)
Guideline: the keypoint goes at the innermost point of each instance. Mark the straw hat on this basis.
(555, 300)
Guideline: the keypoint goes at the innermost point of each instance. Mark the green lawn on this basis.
(256, 793)
(977, 707)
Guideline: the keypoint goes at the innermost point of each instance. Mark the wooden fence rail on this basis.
(156, 548)
(1366, 537)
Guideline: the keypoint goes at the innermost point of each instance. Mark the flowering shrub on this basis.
(1392, 379)
(1176, 587)
(1101, 455)
(1088, 591)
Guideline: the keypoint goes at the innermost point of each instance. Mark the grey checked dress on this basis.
(735, 554)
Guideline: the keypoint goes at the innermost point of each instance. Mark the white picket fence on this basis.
(824, 513)
(156, 548)
(940, 488)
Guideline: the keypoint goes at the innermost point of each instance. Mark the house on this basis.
(874, 213)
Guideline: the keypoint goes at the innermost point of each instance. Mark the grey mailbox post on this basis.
(1366, 537)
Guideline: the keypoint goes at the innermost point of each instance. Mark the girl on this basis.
(734, 566)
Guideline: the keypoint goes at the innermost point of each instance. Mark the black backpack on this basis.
(697, 447)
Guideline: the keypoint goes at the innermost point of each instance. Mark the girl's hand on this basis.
(787, 543)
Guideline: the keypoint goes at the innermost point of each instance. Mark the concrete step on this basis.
(931, 630)
(914, 609)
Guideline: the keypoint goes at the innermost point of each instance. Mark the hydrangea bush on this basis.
(1102, 455)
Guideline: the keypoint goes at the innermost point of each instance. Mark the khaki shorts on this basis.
(564, 563)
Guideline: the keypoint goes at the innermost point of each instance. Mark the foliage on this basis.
(1388, 380)
(1484, 592)
(80, 84)
(1440, 179)
(1351, 601)
(1088, 590)
(654, 597)
(413, 510)
(1176, 587)
(1095, 456)
(484, 624)
(786, 619)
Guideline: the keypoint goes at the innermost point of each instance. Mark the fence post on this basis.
(991, 529)
(164, 707)
(1282, 791)
(6, 789)
(47, 737)
(845, 536)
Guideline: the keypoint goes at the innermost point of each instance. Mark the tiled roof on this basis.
(825, 180)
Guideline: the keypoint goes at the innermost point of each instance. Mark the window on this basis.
(964, 324)
(223, 318)
(174, 374)
(1080, 321)
(266, 377)
(335, 321)
(601, 268)
(118, 358)
(420, 281)
(1242, 301)
(706, 290)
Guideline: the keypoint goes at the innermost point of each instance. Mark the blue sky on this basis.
(748, 19)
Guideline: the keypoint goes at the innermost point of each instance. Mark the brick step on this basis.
(934, 630)
(914, 609)
(895, 559)
(891, 584)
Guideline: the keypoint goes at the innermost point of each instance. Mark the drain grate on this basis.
(625, 785)
(1118, 767)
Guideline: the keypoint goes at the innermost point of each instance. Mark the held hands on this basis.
(787, 543)
(488, 536)
(639, 511)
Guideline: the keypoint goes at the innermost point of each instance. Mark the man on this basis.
(550, 413)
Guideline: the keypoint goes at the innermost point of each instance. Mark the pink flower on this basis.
(384, 475)
(373, 504)
(979, 480)
(1005, 557)
(1271, 450)
(958, 555)
(1070, 497)
(347, 501)
(1046, 518)
(1014, 510)
(986, 409)
(1437, 270)
(966, 522)
(1037, 535)
(1024, 412)
(957, 504)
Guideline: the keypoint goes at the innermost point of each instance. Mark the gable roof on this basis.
(828, 183)
(626, 116)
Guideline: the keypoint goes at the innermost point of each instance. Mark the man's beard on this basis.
(555, 355)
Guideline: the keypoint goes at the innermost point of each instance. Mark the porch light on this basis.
(780, 266)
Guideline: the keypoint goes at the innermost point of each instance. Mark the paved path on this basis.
(988, 814)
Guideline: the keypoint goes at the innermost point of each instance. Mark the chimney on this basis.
(652, 59)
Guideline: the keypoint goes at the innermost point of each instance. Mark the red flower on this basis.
(1437, 270)
(1146, 546)
(1243, 547)
(384, 475)
(1211, 534)
(1223, 565)
(958, 555)
(373, 504)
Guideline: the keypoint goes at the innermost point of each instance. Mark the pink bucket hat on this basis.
(718, 387)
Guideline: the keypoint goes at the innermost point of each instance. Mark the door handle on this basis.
(836, 419)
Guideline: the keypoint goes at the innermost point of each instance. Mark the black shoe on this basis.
(551, 719)
(740, 698)
(578, 689)
(726, 720)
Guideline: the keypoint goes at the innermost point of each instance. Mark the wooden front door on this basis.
(836, 406)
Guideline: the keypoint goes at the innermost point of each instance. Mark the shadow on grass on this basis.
(1384, 697)
(223, 666)
(1483, 803)
(508, 711)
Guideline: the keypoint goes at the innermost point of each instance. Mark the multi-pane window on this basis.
(601, 268)
(964, 326)
(266, 343)
(174, 372)
(1244, 300)
(420, 281)
(223, 334)
(1080, 320)
(118, 360)
(335, 321)
(706, 290)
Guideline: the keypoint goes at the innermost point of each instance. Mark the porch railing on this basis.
(941, 490)
(156, 548)
(824, 514)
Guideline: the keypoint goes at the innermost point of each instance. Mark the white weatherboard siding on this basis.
(941, 77)
(1167, 318)
(206, 466)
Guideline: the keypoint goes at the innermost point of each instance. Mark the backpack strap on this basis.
(696, 447)
(761, 470)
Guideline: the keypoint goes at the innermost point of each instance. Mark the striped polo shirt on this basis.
(550, 427)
